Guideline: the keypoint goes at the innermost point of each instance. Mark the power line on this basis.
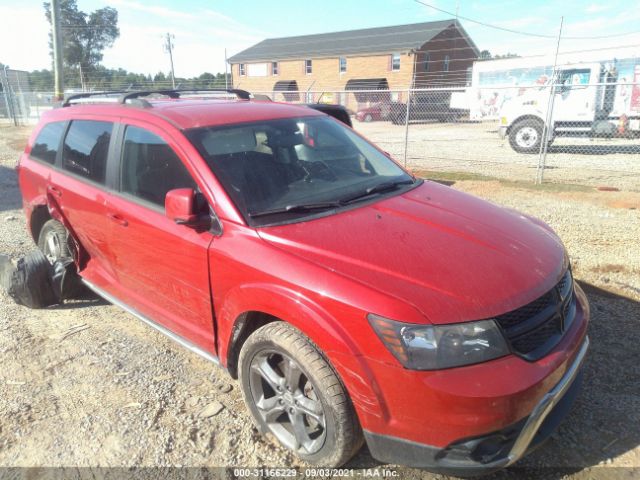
(520, 32)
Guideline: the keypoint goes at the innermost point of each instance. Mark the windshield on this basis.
(283, 170)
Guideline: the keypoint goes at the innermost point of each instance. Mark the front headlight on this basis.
(433, 347)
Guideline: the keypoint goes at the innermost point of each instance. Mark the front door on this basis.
(162, 268)
(575, 97)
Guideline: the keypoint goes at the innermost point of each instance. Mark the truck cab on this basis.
(587, 101)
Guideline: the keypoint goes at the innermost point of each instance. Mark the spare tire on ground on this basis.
(30, 283)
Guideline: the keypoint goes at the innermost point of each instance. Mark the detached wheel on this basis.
(293, 393)
(53, 241)
(525, 136)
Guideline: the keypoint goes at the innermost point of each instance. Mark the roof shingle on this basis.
(368, 40)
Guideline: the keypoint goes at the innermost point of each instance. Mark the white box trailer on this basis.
(590, 98)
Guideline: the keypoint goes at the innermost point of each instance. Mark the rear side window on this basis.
(150, 168)
(86, 147)
(45, 147)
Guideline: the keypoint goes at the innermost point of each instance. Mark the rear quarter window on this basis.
(86, 147)
(45, 147)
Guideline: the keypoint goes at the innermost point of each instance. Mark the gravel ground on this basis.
(477, 148)
(87, 385)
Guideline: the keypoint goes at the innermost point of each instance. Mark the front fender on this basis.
(314, 321)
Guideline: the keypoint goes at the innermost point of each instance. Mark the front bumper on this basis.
(487, 453)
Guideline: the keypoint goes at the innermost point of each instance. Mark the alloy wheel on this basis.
(287, 402)
(52, 248)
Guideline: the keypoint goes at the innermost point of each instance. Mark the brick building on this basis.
(417, 55)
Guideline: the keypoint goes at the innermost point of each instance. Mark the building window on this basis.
(274, 68)
(395, 62)
(242, 70)
(343, 64)
(426, 61)
(308, 67)
(446, 63)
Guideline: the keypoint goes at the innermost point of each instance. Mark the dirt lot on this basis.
(476, 148)
(87, 385)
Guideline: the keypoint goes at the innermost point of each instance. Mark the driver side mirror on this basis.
(179, 206)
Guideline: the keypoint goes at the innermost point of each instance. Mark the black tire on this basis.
(337, 435)
(53, 241)
(525, 136)
(29, 283)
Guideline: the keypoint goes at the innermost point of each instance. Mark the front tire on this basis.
(294, 394)
(526, 136)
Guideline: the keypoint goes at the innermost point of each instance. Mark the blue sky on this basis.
(204, 28)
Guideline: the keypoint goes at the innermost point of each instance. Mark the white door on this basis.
(575, 95)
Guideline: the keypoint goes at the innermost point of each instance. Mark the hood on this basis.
(452, 256)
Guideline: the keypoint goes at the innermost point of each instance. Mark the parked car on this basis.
(353, 301)
(376, 112)
(434, 105)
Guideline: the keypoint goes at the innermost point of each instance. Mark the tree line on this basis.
(85, 36)
(120, 79)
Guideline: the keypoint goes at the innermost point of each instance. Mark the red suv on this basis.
(353, 301)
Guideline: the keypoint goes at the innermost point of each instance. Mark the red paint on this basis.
(433, 254)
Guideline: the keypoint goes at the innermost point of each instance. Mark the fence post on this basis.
(542, 158)
(406, 126)
(8, 96)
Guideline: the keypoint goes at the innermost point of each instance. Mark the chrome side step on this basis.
(176, 338)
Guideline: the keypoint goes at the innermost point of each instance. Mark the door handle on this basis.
(114, 217)
(54, 191)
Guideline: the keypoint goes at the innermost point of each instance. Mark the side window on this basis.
(46, 145)
(150, 168)
(86, 147)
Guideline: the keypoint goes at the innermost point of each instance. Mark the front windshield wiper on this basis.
(380, 188)
(296, 208)
(308, 207)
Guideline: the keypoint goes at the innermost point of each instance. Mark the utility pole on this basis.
(168, 47)
(56, 35)
(226, 75)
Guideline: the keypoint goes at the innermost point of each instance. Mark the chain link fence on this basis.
(592, 130)
(566, 128)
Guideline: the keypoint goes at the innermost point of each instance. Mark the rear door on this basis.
(78, 188)
(161, 267)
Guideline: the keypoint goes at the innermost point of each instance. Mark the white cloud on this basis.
(24, 37)
(596, 8)
(153, 9)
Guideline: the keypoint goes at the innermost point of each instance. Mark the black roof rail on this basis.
(241, 94)
(175, 93)
(77, 96)
(125, 95)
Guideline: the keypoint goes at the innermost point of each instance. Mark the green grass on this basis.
(477, 177)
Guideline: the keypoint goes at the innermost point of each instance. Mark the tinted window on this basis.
(46, 145)
(86, 147)
(150, 168)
